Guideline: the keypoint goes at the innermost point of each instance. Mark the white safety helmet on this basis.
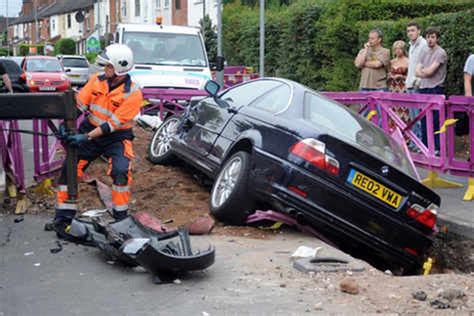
(119, 56)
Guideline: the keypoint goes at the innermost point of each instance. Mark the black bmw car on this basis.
(275, 144)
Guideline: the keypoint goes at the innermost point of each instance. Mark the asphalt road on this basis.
(249, 277)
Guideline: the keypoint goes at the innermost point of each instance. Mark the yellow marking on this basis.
(446, 123)
(434, 181)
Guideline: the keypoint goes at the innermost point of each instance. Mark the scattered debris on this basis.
(139, 269)
(419, 295)
(205, 314)
(203, 225)
(57, 249)
(305, 252)
(177, 281)
(329, 264)
(318, 306)
(451, 294)
(37, 264)
(349, 285)
(440, 304)
(388, 272)
(19, 219)
(30, 253)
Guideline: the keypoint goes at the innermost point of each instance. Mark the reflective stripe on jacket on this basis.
(116, 108)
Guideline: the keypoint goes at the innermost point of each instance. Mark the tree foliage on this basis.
(315, 41)
(65, 46)
(209, 33)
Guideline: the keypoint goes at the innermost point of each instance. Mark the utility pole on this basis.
(262, 38)
(220, 73)
(36, 22)
(203, 9)
(8, 42)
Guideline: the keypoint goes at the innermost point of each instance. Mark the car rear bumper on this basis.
(322, 213)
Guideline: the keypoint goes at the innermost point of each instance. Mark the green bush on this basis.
(65, 46)
(209, 33)
(315, 41)
(5, 52)
(91, 57)
(24, 49)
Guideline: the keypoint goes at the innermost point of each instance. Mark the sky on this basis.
(14, 6)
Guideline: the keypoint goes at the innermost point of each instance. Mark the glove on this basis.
(76, 140)
(62, 133)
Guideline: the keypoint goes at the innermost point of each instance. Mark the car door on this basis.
(210, 117)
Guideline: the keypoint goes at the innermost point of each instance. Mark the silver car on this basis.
(76, 68)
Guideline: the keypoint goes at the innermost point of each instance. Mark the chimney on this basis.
(27, 7)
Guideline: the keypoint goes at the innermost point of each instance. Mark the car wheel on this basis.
(159, 150)
(230, 201)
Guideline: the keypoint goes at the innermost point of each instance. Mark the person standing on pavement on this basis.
(6, 79)
(373, 61)
(432, 69)
(417, 46)
(112, 100)
(468, 75)
(462, 125)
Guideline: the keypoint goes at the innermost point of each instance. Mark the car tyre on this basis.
(230, 201)
(159, 149)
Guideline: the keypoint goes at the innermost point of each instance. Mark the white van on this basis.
(166, 56)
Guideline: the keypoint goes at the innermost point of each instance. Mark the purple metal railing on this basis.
(47, 156)
(383, 104)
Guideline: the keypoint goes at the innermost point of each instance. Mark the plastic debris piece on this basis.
(419, 295)
(203, 225)
(57, 249)
(30, 253)
(427, 266)
(19, 219)
(133, 245)
(37, 264)
(94, 213)
(305, 252)
(177, 281)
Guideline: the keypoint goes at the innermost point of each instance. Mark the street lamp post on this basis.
(220, 73)
(36, 22)
(262, 38)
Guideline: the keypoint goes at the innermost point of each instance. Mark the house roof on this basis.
(57, 7)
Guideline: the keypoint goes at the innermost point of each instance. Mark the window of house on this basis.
(137, 7)
(53, 24)
(68, 21)
(177, 4)
(158, 4)
(167, 4)
(124, 8)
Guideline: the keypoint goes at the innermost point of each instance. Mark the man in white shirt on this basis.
(418, 45)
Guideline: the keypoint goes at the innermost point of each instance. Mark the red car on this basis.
(45, 74)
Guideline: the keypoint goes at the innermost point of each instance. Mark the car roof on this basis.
(153, 28)
(41, 57)
(71, 56)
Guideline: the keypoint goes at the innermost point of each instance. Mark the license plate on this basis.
(374, 188)
(47, 88)
(74, 76)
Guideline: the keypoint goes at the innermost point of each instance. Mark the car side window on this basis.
(275, 100)
(246, 93)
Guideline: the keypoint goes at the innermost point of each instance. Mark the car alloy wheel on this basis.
(160, 145)
(226, 181)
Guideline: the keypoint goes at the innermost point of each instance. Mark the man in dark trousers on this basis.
(112, 101)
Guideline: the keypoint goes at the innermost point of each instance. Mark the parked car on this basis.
(17, 59)
(275, 144)
(16, 75)
(76, 67)
(45, 74)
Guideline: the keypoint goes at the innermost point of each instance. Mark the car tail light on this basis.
(426, 216)
(314, 152)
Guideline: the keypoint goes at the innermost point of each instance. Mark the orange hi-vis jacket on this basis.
(111, 110)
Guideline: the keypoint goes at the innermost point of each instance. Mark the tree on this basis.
(210, 37)
(65, 46)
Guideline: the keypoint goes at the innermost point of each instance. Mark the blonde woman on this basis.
(397, 76)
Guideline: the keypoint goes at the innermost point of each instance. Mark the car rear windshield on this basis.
(75, 63)
(43, 65)
(352, 128)
(11, 67)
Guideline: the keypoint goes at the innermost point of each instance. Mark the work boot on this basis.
(119, 215)
(62, 228)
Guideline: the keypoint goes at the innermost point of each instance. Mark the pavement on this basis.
(249, 277)
(455, 213)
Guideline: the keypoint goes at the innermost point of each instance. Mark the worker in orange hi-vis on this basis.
(112, 100)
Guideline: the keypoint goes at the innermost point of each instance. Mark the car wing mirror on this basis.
(212, 88)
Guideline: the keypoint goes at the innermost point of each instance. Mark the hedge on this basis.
(65, 46)
(25, 49)
(315, 42)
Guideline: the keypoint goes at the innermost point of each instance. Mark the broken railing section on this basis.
(33, 106)
(380, 108)
(140, 240)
